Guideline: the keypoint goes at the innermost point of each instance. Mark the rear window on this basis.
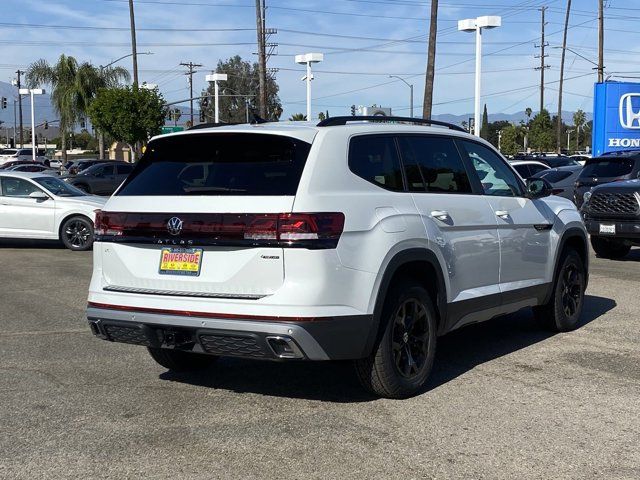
(608, 167)
(555, 162)
(219, 164)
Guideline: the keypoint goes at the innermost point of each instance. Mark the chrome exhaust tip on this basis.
(284, 347)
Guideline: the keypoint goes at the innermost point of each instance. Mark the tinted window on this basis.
(533, 169)
(608, 167)
(219, 164)
(375, 159)
(17, 187)
(554, 176)
(58, 187)
(555, 162)
(433, 164)
(495, 175)
(523, 170)
(124, 169)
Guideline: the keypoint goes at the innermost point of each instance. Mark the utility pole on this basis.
(19, 85)
(133, 44)
(262, 57)
(600, 41)
(564, 47)
(542, 56)
(190, 73)
(431, 60)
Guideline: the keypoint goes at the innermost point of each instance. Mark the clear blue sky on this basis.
(357, 37)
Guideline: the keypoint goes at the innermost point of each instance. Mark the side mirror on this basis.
(538, 188)
(39, 195)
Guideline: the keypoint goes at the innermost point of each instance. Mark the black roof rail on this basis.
(335, 121)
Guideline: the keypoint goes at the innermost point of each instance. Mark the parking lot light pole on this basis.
(32, 92)
(307, 59)
(215, 78)
(477, 25)
(410, 91)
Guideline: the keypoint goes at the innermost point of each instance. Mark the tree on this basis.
(297, 117)
(85, 141)
(240, 93)
(129, 114)
(493, 131)
(541, 133)
(579, 119)
(73, 87)
(511, 138)
(484, 127)
(528, 112)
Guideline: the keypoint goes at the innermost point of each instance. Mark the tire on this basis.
(609, 248)
(180, 361)
(76, 233)
(562, 312)
(402, 359)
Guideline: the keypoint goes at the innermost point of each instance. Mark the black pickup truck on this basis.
(611, 213)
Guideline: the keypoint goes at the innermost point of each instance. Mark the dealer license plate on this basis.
(180, 261)
(609, 229)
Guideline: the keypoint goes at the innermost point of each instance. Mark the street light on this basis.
(32, 92)
(307, 59)
(410, 91)
(123, 57)
(215, 78)
(477, 25)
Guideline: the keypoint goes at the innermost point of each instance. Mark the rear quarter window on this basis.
(219, 164)
(374, 158)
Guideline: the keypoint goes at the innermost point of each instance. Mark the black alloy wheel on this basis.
(410, 338)
(572, 290)
(77, 234)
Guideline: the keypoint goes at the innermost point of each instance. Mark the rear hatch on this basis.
(600, 170)
(199, 216)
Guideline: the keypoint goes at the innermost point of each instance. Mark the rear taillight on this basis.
(310, 230)
(109, 223)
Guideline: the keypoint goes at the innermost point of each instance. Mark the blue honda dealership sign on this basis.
(616, 117)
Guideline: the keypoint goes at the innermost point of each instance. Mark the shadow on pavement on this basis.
(632, 256)
(457, 353)
(28, 243)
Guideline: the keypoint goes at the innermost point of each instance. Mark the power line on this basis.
(191, 66)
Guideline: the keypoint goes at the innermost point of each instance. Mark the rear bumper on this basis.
(624, 230)
(332, 338)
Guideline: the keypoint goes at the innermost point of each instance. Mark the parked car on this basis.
(562, 179)
(101, 179)
(343, 240)
(528, 168)
(558, 161)
(14, 163)
(31, 167)
(34, 205)
(76, 166)
(611, 214)
(605, 169)
(14, 154)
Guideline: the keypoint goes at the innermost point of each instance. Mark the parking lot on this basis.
(506, 399)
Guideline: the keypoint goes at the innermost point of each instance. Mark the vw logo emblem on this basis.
(174, 226)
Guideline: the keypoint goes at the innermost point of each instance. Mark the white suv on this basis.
(352, 239)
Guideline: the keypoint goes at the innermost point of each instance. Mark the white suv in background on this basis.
(357, 238)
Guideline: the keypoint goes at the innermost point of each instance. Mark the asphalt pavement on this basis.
(506, 400)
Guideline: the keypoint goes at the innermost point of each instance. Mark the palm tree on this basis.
(94, 79)
(73, 87)
(297, 117)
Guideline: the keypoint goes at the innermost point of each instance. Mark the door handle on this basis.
(502, 214)
(441, 215)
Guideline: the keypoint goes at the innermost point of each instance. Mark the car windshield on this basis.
(9, 151)
(219, 164)
(58, 187)
(555, 162)
(608, 167)
(553, 176)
